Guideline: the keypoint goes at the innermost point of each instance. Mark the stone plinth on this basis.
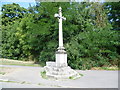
(61, 57)
(61, 72)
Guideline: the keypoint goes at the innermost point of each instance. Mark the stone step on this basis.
(63, 76)
(61, 69)
(75, 75)
(62, 73)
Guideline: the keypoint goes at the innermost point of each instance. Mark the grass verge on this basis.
(16, 62)
(106, 68)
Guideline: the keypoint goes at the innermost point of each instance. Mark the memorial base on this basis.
(63, 72)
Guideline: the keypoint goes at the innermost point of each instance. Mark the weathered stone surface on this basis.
(61, 60)
(55, 72)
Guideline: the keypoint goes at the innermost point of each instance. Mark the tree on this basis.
(12, 12)
(88, 37)
(96, 45)
(113, 14)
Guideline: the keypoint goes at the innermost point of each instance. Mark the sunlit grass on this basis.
(16, 62)
(105, 68)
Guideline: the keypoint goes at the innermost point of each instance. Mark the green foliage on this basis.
(12, 12)
(95, 46)
(114, 14)
(91, 49)
(32, 34)
(43, 74)
(2, 73)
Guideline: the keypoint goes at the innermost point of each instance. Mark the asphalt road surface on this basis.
(29, 77)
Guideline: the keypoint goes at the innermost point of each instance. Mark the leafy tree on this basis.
(114, 14)
(88, 38)
(96, 45)
(12, 12)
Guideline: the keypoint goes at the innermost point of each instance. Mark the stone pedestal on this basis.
(60, 69)
(61, 57)
(60, 73)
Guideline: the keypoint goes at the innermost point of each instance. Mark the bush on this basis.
(95, 48)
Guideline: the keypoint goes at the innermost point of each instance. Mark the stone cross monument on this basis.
(61, 55)
(60, 68)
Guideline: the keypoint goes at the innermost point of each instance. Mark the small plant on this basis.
(43, 74)
(39, 84)
(23, 82)
(3, 73)
(71, 77)
(80, 74)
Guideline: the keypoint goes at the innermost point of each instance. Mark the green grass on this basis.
(2, 73)
(108, 68)
(16, 62)
(71, 77)
(81, 74)
(43, 74)
(105, 68)
(9, 81)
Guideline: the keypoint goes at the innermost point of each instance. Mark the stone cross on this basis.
(60, 18)
(60, 69)
(61, 55)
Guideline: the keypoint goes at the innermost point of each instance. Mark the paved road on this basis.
(18, 85)
(32, 79)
